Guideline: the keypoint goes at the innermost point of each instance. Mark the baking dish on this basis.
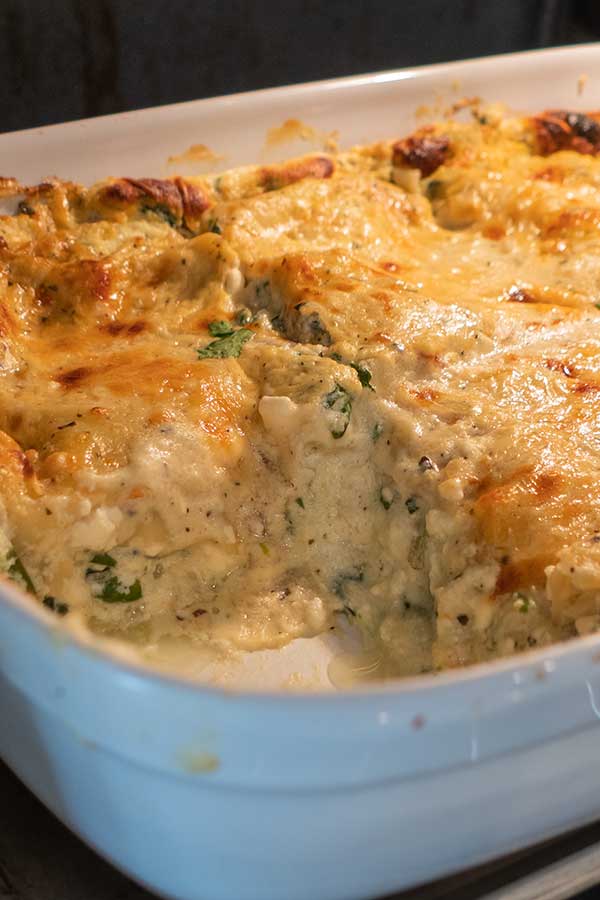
(208, 792)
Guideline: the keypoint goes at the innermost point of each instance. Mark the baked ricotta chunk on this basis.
(363, 386)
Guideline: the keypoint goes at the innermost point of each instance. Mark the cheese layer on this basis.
(364, 385)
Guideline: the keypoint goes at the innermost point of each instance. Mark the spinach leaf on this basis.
(17, 571)
(220, 329)
(106, 585)
(339, 401)
(228, 346)
(113, 591)
(103, 559)
(364, 375)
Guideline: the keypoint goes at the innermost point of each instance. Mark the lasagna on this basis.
(356, 388)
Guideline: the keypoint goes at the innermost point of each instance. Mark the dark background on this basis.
(69, 59)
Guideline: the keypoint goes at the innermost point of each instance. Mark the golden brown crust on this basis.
(178, 200)
(275, 177)
(422, 151)
(559, 129)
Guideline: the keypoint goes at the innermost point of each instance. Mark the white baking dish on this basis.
(202, 793)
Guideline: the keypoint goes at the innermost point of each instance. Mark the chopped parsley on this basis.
(597, 305)
(220, 329)
(339, 583)
(17, 571)
(228, 346)
(103, 559)
(214, 227)
(523, 603)
(61, 609)
(377, 432)
(339, 401)
(163, 212)
(364, 375)
(411, 505)
(386, 497)
(300, 502)
(106, 586)
(113, 591)
(314, 330)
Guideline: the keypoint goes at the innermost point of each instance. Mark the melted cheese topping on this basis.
(236, 409)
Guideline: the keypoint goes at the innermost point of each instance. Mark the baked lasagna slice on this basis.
(359, 387)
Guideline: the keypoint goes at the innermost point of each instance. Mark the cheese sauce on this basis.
(358, 388)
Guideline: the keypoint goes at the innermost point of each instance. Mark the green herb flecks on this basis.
(289, 521)
(339, 401)
(17, 571)
(310, 329)
(376, 432)
(229, 346)
(214, 227)
(523, 603)
(220, 329)
(348, 611)
(103, 559)
(386, 497)
(163, 212)
(364, 375)
(106, 586)
(113, 591)
(300, 502)
(340, 582)
(412, 505)
(57, 606)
